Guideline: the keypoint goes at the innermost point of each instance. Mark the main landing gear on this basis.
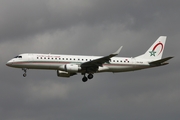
(85, 79)
(25, 70)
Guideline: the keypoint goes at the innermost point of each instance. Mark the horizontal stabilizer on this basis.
(160, 62)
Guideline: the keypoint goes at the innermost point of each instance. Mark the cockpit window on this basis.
(18, 57)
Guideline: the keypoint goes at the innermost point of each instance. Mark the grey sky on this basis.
(89, 27)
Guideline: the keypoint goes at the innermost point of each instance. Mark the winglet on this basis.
(117, 52)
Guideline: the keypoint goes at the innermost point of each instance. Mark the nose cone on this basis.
(9, 63)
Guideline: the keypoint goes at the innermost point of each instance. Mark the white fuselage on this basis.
(54, 61)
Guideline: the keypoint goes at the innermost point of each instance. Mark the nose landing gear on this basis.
(25, 70)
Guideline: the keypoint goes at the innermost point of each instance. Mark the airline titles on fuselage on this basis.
(76, 58)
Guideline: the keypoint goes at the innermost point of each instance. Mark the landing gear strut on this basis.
(85, 79)
(25, 70)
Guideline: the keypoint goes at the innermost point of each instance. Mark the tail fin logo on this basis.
(153, 52)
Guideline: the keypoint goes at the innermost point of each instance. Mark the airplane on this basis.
(69, 65)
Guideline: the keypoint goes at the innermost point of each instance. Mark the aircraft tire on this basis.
(90, 76)
(84, 79)
(24, 75)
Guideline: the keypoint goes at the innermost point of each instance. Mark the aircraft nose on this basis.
(9, 63)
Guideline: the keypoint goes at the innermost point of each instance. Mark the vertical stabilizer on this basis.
(155, 52)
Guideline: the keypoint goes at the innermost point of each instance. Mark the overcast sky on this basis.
(89, 27)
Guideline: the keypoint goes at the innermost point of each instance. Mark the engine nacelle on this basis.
(64, 74)
(70, 68)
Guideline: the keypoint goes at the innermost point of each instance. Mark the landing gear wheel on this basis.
(84, 79)
(90, 76)
(24, 75)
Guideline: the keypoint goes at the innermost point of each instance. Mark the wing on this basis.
(94, 64)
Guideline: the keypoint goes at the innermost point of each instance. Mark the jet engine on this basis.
(70, 68)
(64, 74)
